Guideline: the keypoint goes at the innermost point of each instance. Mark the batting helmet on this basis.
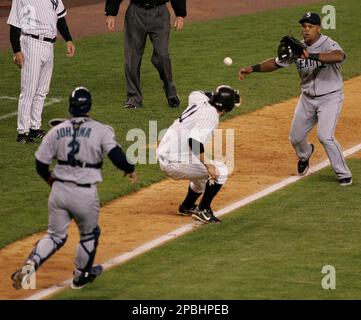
(225, 98)
(80, 101)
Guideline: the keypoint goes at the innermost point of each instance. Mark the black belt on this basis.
(42, 38)
(81, 164)
(322, 95)
(147, 6)
(86, 185)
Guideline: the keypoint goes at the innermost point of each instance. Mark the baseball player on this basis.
(33, 31)
(181, 151)
(79, 145)
(321, 98)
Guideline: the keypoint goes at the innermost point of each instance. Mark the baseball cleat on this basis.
(21, 276)
(182, 211)
(345, 181)
(80, 281)
(174, 102)
(131, 106)
(38, 134)
(24, 138)
(206, 216)
(303, 166)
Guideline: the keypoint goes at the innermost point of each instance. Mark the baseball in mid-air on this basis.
(228, 61)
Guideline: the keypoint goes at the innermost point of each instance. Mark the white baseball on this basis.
(228, 61)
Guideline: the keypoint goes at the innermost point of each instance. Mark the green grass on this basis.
(274, 248)
(197, 56)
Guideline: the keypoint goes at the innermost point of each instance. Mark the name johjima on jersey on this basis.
(83, 132)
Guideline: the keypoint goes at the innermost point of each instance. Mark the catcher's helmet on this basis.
(225, 98)
(80, 101)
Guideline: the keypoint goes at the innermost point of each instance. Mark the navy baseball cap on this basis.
(312, 18)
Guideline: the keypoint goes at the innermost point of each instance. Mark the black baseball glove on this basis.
(290, 49)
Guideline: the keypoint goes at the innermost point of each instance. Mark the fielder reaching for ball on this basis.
(79, 145)
(319, 65)
(33, 31)
(181, 151)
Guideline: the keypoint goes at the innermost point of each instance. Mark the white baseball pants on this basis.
(35, 82)
(195, 172)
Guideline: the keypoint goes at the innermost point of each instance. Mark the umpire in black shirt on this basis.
(147, 17)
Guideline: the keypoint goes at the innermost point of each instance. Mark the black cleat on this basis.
(345, 181)
(24, 138)
(206, 216)
(174, 102)
(303, 166)
(81, 281)
(182, 211)
(37, 134)
(131, 106)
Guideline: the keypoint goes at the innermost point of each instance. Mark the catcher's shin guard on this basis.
(86, 251)
(45, 248)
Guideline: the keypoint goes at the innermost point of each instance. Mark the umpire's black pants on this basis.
(138, 24)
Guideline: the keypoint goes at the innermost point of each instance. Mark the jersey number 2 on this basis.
(75, 147)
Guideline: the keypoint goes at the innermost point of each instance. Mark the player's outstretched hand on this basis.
(133, 178)
(213, 171)
(244, 71)
(19, 59)
(70, 49)
(110, 22)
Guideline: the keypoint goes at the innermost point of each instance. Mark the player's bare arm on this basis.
(266, 66)
(335, 56)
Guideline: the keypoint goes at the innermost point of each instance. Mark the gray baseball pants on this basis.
(68, 201)
(325, 111)
(138, 24)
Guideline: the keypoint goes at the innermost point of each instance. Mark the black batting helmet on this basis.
(225, 98)
(80, 101)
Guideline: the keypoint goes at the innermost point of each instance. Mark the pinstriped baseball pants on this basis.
(35, 82)
(195, 172)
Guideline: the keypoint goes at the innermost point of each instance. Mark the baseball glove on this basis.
(290, 49)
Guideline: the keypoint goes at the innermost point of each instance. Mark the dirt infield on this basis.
(198, 10)
(259, 137)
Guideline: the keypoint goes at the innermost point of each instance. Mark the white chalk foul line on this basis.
(8, 98)
(49, 102)
(190, 226)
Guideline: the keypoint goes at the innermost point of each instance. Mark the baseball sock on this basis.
(209, 194)
(190, 199)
